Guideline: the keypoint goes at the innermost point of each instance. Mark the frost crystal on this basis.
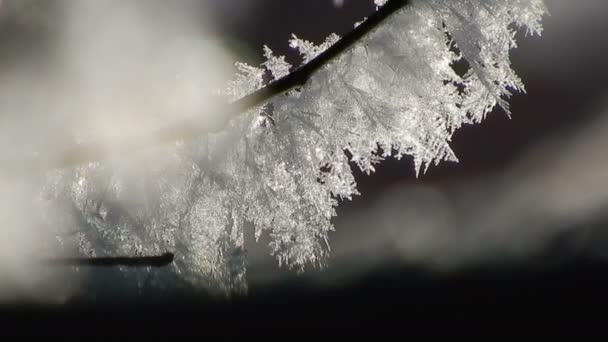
(309, 50)
(283, 168)
(248, 80)
(277, 66)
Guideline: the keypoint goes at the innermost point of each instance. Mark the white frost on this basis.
(394, 94)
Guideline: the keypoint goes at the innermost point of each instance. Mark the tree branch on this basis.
(191, 129)
(301, 75)
(147, 261)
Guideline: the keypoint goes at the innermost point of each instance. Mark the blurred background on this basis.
(517, 228)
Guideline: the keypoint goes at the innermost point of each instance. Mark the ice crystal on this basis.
(277, 66)
(309, 50)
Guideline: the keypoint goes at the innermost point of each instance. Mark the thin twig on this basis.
(146, 261)
(301, 75)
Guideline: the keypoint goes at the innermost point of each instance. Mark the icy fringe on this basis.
(282, 166)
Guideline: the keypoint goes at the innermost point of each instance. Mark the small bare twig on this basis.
(146, 261)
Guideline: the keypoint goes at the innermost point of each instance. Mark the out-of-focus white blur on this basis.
(112, 70)
(90, 72)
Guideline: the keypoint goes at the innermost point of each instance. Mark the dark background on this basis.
(549, 290)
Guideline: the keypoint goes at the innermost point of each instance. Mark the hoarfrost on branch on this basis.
(282, 166)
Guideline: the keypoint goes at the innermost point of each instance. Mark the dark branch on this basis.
(301, 75)
(147, 261)
(188, 130)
